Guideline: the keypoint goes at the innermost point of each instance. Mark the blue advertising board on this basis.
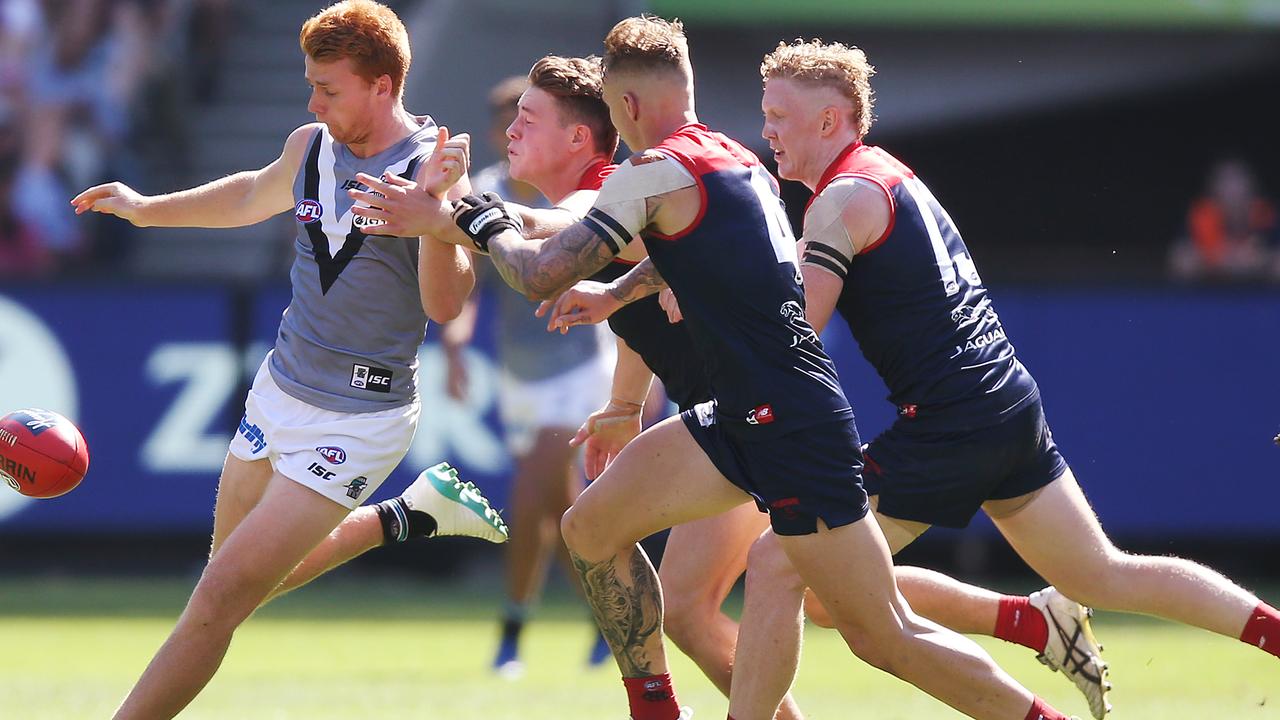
(1164, 401)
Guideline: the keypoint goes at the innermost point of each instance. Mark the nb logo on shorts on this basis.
(762, 415)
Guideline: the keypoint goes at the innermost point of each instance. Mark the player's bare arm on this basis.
(610, 428)
(648, 191)
(445, 274)
(844, 220)
(589, 302)
(244, 198)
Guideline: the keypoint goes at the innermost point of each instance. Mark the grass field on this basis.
(356, 647)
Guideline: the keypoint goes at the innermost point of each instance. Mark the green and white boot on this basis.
(459, 508)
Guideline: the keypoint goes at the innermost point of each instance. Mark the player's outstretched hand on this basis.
(448, 163)
(586, 303)
(667, 299)
(605, 433)
(397, 207)
(113, 198)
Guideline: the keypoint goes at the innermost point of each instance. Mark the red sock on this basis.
(1040, 711)
(1018, 622)
(652, 698)
(1263, 629)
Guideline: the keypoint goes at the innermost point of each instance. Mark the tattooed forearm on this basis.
(640, 281)
(540, 269)
(628, 617)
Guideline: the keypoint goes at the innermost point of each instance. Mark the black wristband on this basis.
(483, 218)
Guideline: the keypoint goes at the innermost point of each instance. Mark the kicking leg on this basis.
(288, 522)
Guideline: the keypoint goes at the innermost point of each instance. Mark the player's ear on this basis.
(581, 136)
(830, 120)
(383, 84)
(632, 105)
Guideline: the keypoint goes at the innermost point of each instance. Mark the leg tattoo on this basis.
(628, 616)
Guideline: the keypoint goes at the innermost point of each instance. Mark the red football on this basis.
(42, 454)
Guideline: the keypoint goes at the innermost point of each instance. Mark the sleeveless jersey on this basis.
(918, 309)
(737, 277)
(666, 348)
(349, 339)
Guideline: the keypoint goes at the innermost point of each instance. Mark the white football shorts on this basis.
(559, 402)
(342, 456)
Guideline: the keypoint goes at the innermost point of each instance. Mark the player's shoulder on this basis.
(303, 134)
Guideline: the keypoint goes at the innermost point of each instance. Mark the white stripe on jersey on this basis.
(923, 198)
(336, 230)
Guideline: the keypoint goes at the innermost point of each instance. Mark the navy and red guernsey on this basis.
(665, 347)
(918, 309)
(735, 272)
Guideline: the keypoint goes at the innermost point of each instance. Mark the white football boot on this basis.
(1072, 649)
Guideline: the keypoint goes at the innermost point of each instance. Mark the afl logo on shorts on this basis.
(335, 455)
(307, 210)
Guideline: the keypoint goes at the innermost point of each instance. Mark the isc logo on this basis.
(365, 377)
(321, 471)
(307, 210)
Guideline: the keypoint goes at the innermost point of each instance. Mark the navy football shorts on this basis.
(797, 478)
(942, 478)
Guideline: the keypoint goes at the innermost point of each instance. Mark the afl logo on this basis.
(307, 211)
(334, 455)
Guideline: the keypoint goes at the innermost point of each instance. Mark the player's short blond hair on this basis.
(646, 43)
(370, 34)
(575, 83)
(835, 65)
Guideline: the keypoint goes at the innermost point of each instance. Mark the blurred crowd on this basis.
(90, 90)
(1232, 233)
(96, 90)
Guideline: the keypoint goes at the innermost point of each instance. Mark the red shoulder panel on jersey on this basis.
(594, 176)
(865, 161)
(702, 152)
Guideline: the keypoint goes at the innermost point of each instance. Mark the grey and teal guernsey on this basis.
(526, 350)
(349, 339)
(918, 309)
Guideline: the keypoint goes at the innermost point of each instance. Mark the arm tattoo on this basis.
(541, 268)
(628, 617)
(640, 281)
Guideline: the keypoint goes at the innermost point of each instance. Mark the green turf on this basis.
(354, 647)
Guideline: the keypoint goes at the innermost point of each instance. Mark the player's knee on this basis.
(688, 619)
(875, 649)
(582, 535)
(768, 565)
(220, 601)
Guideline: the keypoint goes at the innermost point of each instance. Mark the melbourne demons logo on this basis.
(307, 210)
(335, 455)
